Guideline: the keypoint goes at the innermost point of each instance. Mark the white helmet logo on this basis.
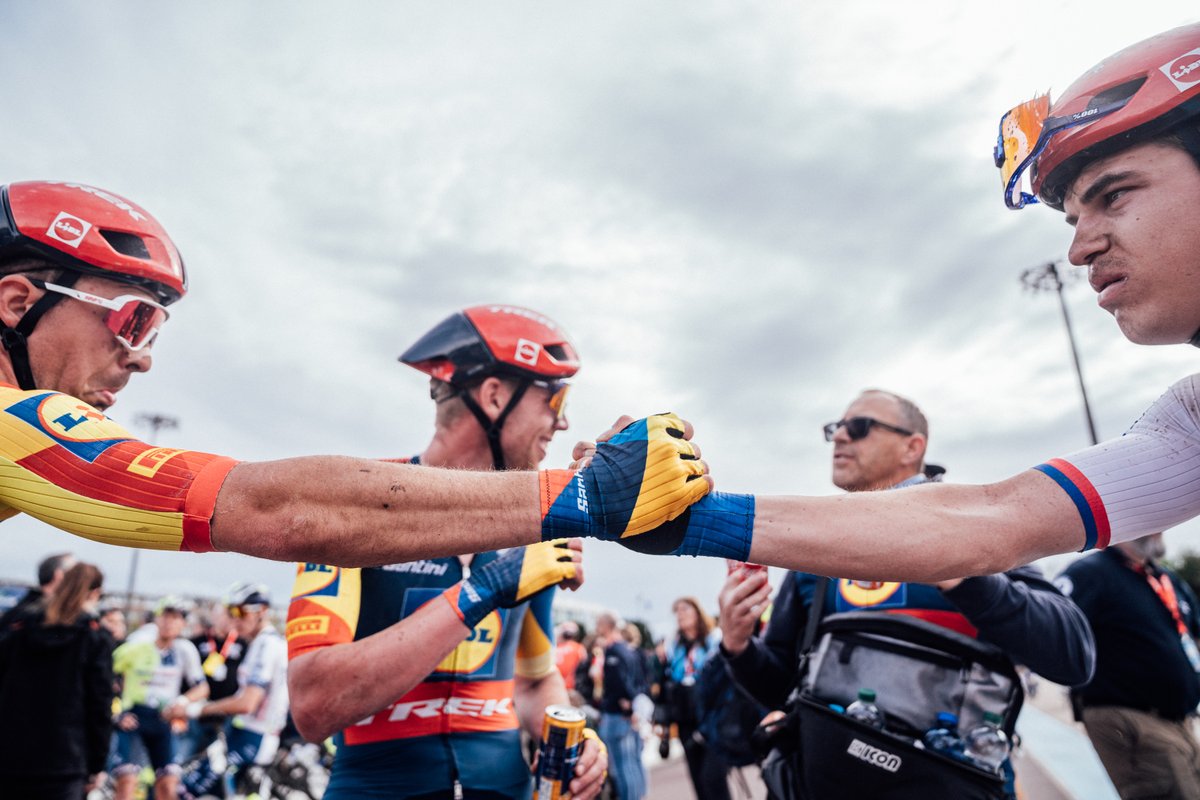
(68, 229)
(527, 352)
(1184, 71)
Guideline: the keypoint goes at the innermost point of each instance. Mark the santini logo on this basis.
(874, 756)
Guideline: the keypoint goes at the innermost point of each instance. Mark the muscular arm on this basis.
(358, 512)
(924, 533)
(334, 687)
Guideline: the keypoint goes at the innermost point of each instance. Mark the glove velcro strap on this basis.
(467, 604)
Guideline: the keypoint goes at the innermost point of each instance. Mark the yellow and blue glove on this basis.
(510, 580)
(640, 483)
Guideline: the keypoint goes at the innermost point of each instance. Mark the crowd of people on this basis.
(110, 692)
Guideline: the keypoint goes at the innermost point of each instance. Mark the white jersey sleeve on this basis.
(1143, 482)
(265, 666)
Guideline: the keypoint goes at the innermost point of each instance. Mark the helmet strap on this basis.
(15, 340)
(492, 427)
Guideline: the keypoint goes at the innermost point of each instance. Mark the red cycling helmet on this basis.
(92, 231)
(84, 230)
(1142, 91)
(508, 341)
(480, 341)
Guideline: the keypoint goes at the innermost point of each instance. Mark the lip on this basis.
(1109, 292)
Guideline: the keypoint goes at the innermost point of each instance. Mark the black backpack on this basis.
(917, 670)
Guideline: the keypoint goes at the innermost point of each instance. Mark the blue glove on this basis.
(642, 477)
(510, 580)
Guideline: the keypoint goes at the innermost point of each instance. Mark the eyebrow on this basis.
(1098, 188)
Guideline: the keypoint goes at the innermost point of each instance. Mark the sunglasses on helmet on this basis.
(132, 319)
(858, 428)
(1024, 133)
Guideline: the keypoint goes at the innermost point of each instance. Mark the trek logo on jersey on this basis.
(870, 594)
(316, 580)
(438, 708)
(442, 706)
(77, 427)
(527, 352)
(1184, 71)
(68, 229)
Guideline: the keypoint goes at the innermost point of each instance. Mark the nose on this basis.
(1089, 241)
(139, 360)
(561, 424)
(841, 436)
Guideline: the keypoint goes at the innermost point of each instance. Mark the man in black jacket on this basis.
(1138, 707)
(880, 444)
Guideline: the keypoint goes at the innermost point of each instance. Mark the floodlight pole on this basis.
(1045, 278)
(155, 422)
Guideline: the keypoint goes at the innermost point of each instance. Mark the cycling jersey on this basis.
(265, 666)
(1145, 481)
(72, 467)
(459, 723)
(154, 677)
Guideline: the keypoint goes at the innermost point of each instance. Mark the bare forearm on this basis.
(359, 512)
(532, 696)
(335, 687)
(926, 533)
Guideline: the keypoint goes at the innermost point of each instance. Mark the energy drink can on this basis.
(562, 742)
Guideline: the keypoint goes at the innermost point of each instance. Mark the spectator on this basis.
(56, 693)
(160, 669)
(618, 681)
(221, 653)
(569, 654)
(695, 642)
(258, 709)
(1138, 708)
(49, 574)
(880, 444)
(112, 619)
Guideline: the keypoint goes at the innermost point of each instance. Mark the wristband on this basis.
(720, 525)
(193, 709)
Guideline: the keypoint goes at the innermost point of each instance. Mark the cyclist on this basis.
(85, 279)
(428, 670)
(259, 708)
(1119, 153)
(161, 669)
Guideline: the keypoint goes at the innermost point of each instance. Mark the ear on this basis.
(17, 294)
(492, 396)
(914, 449)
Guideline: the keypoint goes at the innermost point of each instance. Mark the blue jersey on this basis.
(457, 724)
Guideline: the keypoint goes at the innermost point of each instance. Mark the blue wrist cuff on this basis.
(719, 525)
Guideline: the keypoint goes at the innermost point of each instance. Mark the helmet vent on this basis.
(1122, 91)
(127, 244)
(557, 352)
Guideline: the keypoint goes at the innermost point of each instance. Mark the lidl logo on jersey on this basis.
(853, 595)
(316, 580)
(477, 654)
(77, 427)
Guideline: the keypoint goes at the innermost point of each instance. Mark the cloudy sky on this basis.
(745, 212)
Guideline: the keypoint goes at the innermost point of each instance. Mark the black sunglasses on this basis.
(858, 428)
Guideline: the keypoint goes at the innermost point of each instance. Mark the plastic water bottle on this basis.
(864, 709)
(987, 744)
(943, 736)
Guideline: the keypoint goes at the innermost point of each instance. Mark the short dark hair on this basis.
(51, 565)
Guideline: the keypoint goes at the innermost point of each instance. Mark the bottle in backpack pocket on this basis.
(943, 736)
(987, 744)
(865, 711)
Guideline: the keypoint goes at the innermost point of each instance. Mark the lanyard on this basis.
(230, 638)
(1166, 593)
